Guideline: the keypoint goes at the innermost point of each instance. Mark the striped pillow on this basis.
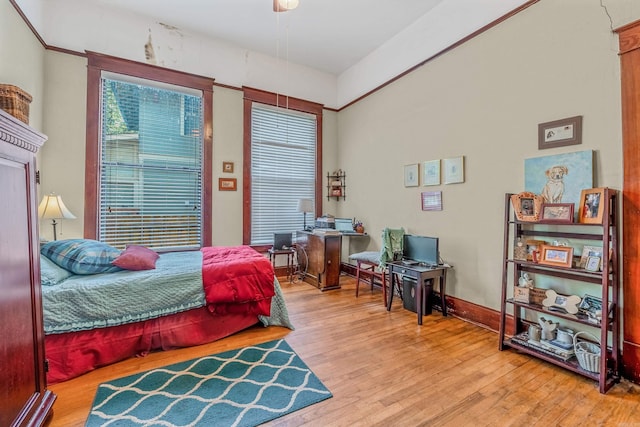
(82, 256)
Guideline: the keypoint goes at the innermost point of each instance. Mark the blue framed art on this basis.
(559, 178)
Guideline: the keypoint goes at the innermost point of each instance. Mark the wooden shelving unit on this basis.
(336, 186)
(605, 284)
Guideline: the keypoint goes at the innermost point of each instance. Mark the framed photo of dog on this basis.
(526, 206)
(560, 133)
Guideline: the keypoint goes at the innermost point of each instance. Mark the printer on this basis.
(325, 221)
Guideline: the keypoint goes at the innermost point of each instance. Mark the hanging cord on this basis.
(299, 274)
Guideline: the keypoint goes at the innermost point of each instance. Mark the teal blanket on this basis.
(84, 302)
(110, 299)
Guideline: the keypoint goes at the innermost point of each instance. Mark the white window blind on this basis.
(150, 166)
(283, 169)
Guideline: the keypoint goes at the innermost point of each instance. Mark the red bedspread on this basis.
(237, 279)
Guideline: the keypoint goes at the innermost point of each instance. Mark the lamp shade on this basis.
(305, 205)
(284, 5)
(52, 207)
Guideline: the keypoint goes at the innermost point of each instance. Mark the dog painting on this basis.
(559, 178)
(553, 189)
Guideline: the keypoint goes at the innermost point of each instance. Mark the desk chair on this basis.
(374, 263)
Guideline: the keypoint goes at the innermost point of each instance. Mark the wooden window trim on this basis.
(98, 63)
(252, 95)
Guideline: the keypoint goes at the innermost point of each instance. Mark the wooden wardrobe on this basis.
(629, 39)
(24, 399)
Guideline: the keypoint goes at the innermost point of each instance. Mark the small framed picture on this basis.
(591, 206)
(557, 212)
(559, 256)
(432, 201)
(526, 206)
(431, 172)
(411, 175)
(453, 170)
(227, 184)
(534, 246)
(560, 133)
(587, 252)
(590, 304)
(227, 167)
(593, 263)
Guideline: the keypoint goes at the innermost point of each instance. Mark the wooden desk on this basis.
(320, 259)
(420, 274)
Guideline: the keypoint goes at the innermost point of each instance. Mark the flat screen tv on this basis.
(421, 248)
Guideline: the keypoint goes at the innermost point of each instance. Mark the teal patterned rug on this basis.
(244, 387)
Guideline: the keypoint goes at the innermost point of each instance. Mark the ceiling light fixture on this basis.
(284, 5)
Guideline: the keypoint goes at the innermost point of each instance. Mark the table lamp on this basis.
(304, 206)
(52, 207)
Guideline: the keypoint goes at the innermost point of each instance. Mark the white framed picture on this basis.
(411, 175)
(431, 172)
(453, 170)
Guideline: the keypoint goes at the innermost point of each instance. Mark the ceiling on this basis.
(334, 50)
(328, 35)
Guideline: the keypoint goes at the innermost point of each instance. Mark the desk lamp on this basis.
(52, 207)
(304, 206)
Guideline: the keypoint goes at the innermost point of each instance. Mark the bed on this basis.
(93, 319)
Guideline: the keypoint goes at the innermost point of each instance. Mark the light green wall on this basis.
(484, 101)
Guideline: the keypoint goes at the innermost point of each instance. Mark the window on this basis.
(282, 163)
(150, 157)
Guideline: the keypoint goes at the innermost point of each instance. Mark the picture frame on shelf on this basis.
(227, 184)
(431, 200)
(557, 212)
(589, 251)
(411, 175)
(593, 263)
(568, 303)
(534, 246)
(526, 206)
(590, 305)
(453, 170)
(560, 133)
(431, 172)
(557, 256)
(592, 204)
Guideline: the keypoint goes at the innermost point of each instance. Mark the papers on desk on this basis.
(326, 232)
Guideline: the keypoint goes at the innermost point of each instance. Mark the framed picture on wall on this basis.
(227, 184)
(431, 172)
(411, 175)
(227, 167)
(431, 200)
(560, 133)
(453, 170)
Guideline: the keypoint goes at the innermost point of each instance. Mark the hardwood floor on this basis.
(383, 369)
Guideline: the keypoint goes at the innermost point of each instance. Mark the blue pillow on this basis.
(50, 273)
(82, 256)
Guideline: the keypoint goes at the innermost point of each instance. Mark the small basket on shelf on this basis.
(587, 352)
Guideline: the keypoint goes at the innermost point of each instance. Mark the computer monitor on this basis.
(344, 225)
(282, 241)
(421, 248)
